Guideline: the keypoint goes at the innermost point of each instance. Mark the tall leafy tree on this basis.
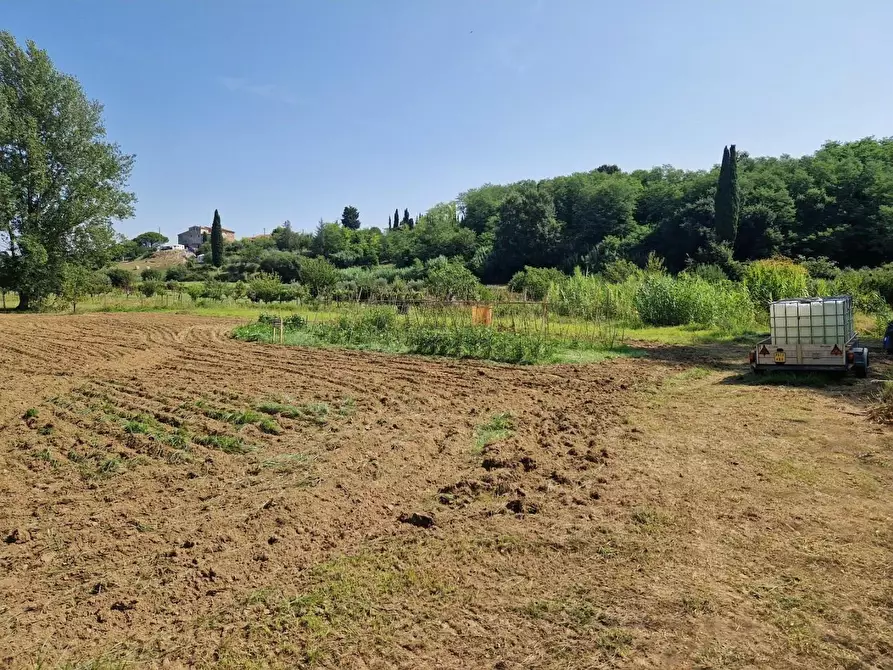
(396, 218)
(389, 223)
(216, 241)
(61, 181)
(405, 222)
(350, 218)
(726, 201)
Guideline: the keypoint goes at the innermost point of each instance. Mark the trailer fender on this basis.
(860, 361)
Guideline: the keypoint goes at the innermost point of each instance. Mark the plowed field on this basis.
(171, 497)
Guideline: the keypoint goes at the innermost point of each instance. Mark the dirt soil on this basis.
(174, 498)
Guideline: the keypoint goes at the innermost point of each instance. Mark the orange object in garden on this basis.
(481, 315)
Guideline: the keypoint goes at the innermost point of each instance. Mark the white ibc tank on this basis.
(811, 321)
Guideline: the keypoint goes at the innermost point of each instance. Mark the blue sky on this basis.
(273, 110)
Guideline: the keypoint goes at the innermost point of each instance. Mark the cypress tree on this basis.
(216, 241)
(396, 218)
(389, 223)
(405, 218)
(735, 197)
(722, 217)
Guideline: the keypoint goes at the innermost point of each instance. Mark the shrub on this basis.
(150, 288)
(152, 274)
(449, 280)
(318, 275)
(536, 282)
(293, 293)
(214, 290)
(177, 273)
(775, 279)
(120, 278)
(379, 318)
(618, 271)
(264, 287)
(710, 273)
(195, 291)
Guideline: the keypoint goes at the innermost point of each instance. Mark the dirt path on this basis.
(640, 513)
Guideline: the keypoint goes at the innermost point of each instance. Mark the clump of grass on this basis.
(498, 428)
(228, 444)
(47, 456)
(614, 641)
(348, 407)
(136, 427)
(317, 413)
(237, 418)
(110, 466)
(269, 426)
(31, 413)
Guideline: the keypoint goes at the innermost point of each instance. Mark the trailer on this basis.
(811, 335)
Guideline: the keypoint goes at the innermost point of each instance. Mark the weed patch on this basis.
(226, 443)
(498, 428)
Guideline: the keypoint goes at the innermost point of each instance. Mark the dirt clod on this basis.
(418, 520)
(17, 536)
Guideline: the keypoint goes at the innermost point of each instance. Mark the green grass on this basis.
(225, 443)
(317, 413)
(499, 427)
(691, 335)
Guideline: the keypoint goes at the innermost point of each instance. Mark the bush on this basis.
(619, 271)
(775, 279)
(214, 290)
(150, 288)
(293, 322)
(195, 291)
(379, 318)
(177, 273)
(710, 273)
(120, 278)
(293, 293)
(449, 280)
(536, 282)
(264, 287)
(152, 274)
(318, 275)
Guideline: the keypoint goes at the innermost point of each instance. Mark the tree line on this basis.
(62, 183)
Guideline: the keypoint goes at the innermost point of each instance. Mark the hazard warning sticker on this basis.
(764, 351)
(836, 351)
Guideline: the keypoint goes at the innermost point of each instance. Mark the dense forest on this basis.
(834, 206)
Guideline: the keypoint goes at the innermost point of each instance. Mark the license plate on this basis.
(779, 357)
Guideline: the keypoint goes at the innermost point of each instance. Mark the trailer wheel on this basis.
(861, 371)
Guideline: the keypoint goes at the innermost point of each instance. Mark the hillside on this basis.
(160, 260)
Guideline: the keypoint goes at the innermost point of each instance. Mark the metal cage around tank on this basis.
(812, 320)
